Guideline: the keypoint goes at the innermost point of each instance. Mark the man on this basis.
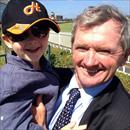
(100, 44)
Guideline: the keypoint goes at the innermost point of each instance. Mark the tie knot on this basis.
(74, 94)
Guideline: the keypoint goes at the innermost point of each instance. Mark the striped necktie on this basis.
(65, 115)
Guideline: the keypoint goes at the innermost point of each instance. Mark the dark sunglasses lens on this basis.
(39, 31)
(21, 37)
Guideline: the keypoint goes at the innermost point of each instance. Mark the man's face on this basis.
(97, 53)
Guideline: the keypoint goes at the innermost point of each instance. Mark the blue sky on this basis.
(71, 8)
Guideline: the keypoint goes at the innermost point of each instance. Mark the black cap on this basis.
(20, 15)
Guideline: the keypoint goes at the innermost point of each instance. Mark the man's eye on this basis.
(104, 52)
(81, 49)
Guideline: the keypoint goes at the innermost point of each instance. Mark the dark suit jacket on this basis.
(110, 110)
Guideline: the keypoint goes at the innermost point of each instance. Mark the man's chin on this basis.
(91, 82)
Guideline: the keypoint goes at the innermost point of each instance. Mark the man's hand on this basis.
(39, 112)
(69, 126)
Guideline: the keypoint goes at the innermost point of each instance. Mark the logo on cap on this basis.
(28, 10)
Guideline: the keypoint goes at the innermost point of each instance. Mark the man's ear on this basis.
(7, 41)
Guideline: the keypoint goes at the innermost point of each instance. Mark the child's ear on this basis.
(7, 41)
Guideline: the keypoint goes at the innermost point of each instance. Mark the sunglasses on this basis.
(38, 31)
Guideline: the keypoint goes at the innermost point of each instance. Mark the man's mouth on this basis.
(93, 71)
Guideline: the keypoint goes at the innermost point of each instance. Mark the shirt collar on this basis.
(92, 91)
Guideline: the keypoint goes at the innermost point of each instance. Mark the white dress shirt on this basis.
(87, 95)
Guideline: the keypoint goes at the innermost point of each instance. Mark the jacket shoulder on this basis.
(64, 75)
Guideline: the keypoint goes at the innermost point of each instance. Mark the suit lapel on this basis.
(101, 100)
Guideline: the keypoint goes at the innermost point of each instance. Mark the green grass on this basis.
(60, 58)
(66, 27)
(125, 80)
(2, 58)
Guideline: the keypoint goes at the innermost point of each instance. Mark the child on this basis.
(25, 29)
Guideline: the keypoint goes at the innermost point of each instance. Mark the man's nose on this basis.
(90, 58)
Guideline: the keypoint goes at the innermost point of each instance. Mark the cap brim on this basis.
(19, 28)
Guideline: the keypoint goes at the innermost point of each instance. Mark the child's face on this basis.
(31, 48)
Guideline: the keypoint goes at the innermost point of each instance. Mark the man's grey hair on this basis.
(98, 15)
